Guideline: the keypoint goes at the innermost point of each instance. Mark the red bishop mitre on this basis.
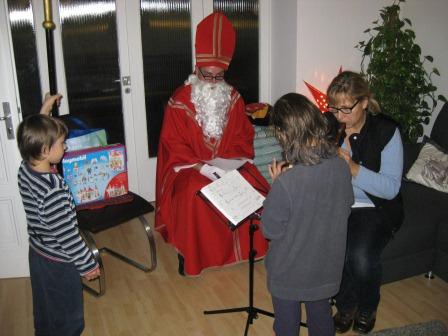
(215, 41)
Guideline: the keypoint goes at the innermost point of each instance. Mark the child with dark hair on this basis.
(57, 255)
(305, 218)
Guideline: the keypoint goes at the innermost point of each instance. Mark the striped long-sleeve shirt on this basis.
(51, 219)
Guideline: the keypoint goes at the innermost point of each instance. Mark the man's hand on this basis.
(93, 274)
(48, 103)
(354, 167)
(212, 172)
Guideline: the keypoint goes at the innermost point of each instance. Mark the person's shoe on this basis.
(181, 264)
(343, 320)
(364, 321)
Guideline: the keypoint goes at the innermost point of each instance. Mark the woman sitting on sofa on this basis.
(372, 147)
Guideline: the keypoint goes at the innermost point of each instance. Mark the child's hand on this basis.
(93, 274)
(276, 168)
(48, 103)
(345, 154)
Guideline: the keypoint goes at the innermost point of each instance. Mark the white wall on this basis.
(328, 30)
(430, 23)
(283, 47)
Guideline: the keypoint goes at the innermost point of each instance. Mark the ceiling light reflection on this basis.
(92, 9)
(164, 6)
(17, 16)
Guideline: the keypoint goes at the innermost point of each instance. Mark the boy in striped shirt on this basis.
(58, 256)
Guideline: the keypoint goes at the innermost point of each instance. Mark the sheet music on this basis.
(233, 196)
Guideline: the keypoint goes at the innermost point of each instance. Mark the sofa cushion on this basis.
(431, 167)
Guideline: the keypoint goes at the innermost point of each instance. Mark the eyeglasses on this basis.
(208, 77)
(345, 110)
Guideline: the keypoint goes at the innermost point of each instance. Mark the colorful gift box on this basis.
(96, 174)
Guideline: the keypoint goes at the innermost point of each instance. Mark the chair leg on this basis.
(151, 242)
(152, 247)
(96, 254)
(429, 275)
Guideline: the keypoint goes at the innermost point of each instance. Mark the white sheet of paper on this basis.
(227, 164)
(233, 196)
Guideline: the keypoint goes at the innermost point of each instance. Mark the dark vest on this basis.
(366, 149)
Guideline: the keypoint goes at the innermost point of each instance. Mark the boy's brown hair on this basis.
(37, 132)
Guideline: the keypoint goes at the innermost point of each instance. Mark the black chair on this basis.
(121, 210)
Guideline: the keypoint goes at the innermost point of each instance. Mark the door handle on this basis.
(8, 120)
(125, 81)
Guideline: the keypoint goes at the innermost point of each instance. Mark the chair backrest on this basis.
(439, 131)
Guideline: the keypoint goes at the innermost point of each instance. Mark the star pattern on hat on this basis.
(319, 96)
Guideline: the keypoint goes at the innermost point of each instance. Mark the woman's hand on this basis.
(48, 103)
(276, 168)
(354, 167)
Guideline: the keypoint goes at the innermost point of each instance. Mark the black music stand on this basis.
(250, 309)
(252, 312)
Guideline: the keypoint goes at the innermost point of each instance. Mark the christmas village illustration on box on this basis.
(96, 174)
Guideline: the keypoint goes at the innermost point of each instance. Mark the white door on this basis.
(13, 235)
(146, 165)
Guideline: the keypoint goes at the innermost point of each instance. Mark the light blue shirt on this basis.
(386, 183)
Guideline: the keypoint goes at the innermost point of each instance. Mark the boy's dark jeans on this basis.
(57, 297)
(367, 237)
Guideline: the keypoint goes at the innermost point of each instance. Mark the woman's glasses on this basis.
(345, 110)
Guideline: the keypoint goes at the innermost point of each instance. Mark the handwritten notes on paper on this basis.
(233, 196)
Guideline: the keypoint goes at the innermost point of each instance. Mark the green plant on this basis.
(396, 72)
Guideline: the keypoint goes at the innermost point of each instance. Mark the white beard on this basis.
(212, 101)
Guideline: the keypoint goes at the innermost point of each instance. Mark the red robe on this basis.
(183, 218)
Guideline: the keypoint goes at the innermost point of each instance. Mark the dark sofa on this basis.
(421, 244)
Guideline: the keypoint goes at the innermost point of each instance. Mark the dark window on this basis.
(243, 71)
(25, 55)
(166, 45)
(90, 47)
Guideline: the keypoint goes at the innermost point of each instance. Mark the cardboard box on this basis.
(96, 174)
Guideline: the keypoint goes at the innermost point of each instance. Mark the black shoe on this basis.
(343, 320)
(181, 264)
(364, 322)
